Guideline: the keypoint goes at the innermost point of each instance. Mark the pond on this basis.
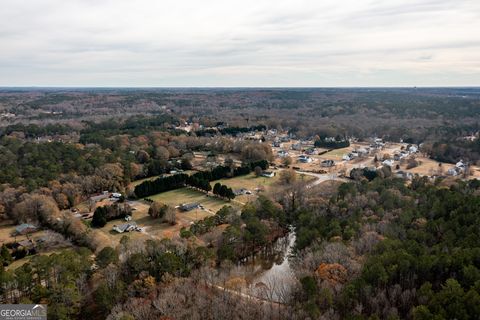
(269, 274)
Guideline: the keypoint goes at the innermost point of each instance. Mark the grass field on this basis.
(186, 195)
(337, 153)
(249, 182)
(153, 228)
(7, 229)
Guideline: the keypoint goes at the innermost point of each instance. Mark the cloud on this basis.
(239, 43)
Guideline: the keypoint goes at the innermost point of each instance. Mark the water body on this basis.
(269, 274)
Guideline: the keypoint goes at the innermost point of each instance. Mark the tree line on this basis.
(200, 180)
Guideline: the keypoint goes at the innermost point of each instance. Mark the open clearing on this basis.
(187, 195)
(8, 227)
(153, 228)
(337, 154)
(249, 181)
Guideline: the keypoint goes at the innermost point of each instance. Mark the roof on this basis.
(24, 227)
(268, 174)
(189, 206)
(125, 227)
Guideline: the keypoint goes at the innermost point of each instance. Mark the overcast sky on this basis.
(239, 43)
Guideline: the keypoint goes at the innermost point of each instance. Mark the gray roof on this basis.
(189, 206)
(24, 226)
(125, 227)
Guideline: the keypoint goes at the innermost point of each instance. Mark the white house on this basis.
(460, 164)
(305, 159)
(268, 174)
(413, 149)
(388, 163)
(455, 171)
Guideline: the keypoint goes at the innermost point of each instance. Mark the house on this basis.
(189, 206)
(282, 153)
(126, 227)
(460, 164)
(311, 151)
(268, 174)
(346, 157)
(116, 195)
(455, 171)
(25, 228)
(327, 163)
(404, 175)
(388, 163)
(276, 144)
(413, 149)
(305, 159)
(297, 146)
(362, 151)
(128, 218)
(239, 192)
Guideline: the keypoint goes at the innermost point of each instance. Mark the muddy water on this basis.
(269, 274)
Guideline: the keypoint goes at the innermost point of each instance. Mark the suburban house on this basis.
(116, 195)
(268, 174)
(25, 228)
(350, 156)
(305, 159)
(311, 151)
(400, 156)
(297, 146)
(461, 165)
(327, 163)
(239, 192)
(276, 144)
(459, 168)
(388, 163)
(189, 206)
(282, 153)
(126, 227)
(413, 149)
(455, 171)
(404, 175)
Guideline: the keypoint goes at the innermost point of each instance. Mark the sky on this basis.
(247, 43)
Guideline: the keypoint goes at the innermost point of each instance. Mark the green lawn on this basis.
(137, 182)
(187, 195)
(337, 153)
(249, 181)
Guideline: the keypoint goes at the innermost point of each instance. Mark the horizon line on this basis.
(239, 87)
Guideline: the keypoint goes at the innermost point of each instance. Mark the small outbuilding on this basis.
(189, 206)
